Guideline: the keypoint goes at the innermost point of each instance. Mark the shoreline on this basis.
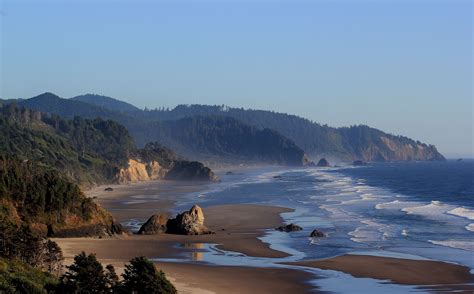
(238, 229)
(396, 270)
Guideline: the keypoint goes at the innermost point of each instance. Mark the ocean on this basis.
(412, 210)
(419, 210)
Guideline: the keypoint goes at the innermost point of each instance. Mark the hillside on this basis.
(87, 151)
(316, 140)
(347, 143)
(47, 202)
(223, 137)
(106, 102)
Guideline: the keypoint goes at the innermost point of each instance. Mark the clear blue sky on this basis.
(402, 66)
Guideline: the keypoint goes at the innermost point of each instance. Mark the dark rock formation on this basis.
(91, 230)
(190, 170)
(188, 223)
(323, 163)
(317, 234)
(289, 228)
(359, 163)
(154, 225)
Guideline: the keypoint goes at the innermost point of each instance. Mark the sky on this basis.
(401, 66)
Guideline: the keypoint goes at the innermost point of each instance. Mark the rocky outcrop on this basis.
(359, 163)
(182, 170)
(317, 234)
(188, 223)
(156, 224)
(137, 171)
(323, 163)
(289, 228)
(191, 171)
(85, 230)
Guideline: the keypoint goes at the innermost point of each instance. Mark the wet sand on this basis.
(237, 229)
(400, 271)
(141, 200)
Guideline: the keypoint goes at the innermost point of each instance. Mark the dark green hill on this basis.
(223, 137)
(106, 102)
(348, 143)
(68, 108)
(87, 151)
(40, 197)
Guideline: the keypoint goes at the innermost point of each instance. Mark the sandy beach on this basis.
(238, 228)
(400, 271)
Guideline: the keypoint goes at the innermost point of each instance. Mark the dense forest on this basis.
(87, 151)
(201, 136)
(347, 143)
(316, 140)
(40, 197)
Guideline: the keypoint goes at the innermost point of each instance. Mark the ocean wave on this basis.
(371, 232)
(462, 212)
(470, 227)
(435, 210)
(464, 245)
(397, 205)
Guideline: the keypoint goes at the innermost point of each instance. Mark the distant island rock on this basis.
(323, 163)
(190, 170)
(317, 234)
(359, 163)
(289, 228)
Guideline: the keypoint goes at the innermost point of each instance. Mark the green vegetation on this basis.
(87, 273)
(141, 276)
(19, 277)
(87, 151)
(38, 196)
(224, 137)
(355, 142)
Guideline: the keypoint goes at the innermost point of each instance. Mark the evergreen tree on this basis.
(141, 276)
(85, 274)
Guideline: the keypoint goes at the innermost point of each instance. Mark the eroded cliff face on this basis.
(395, 150)
(137, 171)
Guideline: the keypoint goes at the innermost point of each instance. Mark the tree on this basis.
(141, 276)
(85, 274)
(52, 262)
(112, 277)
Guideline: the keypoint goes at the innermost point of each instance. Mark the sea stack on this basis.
(188, 223)
(323, 163)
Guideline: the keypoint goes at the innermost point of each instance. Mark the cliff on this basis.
(137, 171)
(48, 203)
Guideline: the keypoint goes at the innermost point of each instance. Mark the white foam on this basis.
(470, 227)
(396, 205)
(435, 210)
(371, 232)
(462, 212)
(464, 245)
